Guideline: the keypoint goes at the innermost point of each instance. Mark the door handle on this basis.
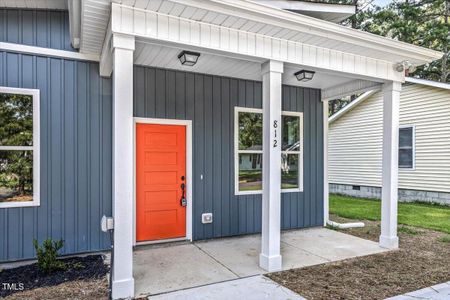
(183, 201)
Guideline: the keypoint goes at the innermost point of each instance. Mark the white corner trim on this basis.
(35, 148)
(326, 194)
(351, 106)
(41, 51)
(436, 84)
(189, 179)
(239, 109)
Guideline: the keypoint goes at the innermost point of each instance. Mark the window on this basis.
(19, 147)
(248, 151)
(406, 147)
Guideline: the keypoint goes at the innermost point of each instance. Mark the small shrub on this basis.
(47, 255)
(445, 239)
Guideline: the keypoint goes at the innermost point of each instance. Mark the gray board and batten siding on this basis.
(76, 139)
(76, 142)
(209, 102)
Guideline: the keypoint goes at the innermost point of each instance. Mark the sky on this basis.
(382, 2)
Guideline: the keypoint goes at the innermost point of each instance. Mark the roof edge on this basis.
(327, 28)
(436, 84)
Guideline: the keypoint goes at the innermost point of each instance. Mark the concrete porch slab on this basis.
(241, 254)
(165, 268)
(250, 288)
(330, 244)
(168, 268)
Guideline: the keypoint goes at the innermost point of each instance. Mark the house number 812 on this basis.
(275, 126)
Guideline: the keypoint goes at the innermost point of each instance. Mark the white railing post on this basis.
(270, 257)
(122, 80)
(389, 197)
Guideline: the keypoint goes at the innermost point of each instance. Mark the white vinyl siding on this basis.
(355, 141)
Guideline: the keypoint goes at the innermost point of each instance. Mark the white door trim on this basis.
(189, 187)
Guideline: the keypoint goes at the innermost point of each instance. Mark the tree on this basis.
(419, 22)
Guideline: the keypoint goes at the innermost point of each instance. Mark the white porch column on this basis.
(389, 196)
(123, 282)
(270, 258)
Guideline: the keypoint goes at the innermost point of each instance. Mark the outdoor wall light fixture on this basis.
(304, 75)
(188, 58)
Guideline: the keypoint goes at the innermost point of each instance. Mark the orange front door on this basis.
(160, 173)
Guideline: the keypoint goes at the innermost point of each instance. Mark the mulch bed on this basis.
(422, 260)
(85, 268)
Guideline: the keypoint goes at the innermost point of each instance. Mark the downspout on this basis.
(74, 7)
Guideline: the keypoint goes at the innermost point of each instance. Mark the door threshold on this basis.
(162, 241)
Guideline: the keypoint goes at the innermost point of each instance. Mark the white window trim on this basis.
(413, 147)
(237, 110)
(35, 148)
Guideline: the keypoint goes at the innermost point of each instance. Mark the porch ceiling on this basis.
(161, 56)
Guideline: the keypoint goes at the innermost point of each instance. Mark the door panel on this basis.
(160, 167)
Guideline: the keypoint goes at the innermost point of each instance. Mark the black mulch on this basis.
(78, 268)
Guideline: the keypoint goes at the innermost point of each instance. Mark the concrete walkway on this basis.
(435, 292)
(166, 268)
(250, 288)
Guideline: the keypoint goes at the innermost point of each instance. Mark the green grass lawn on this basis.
(436, 217)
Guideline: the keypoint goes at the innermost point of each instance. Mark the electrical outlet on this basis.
(207, 218)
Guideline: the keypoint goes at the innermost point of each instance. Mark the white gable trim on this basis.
(351, 106)
(366, 95)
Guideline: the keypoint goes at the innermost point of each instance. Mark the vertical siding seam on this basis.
(100, 120)
(49, 142)
(62, 150)
(75, 142)
(89, 154)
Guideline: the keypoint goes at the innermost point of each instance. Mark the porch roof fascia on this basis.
(147, 24)
(278, 17)
(331, 12)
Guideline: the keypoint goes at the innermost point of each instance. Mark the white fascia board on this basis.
(351, 106)
(435, 84)
(302, 23)
(310, 6)
(150, 26)
(41, 51)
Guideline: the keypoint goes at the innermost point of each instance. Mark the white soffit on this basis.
(35, 4)
(148, 54)
(257, 18)
(325, 11)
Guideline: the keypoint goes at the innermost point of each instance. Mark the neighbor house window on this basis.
(249, 154)
(19, 147)
(406, 147)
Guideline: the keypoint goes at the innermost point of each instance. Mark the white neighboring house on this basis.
(355, 144)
